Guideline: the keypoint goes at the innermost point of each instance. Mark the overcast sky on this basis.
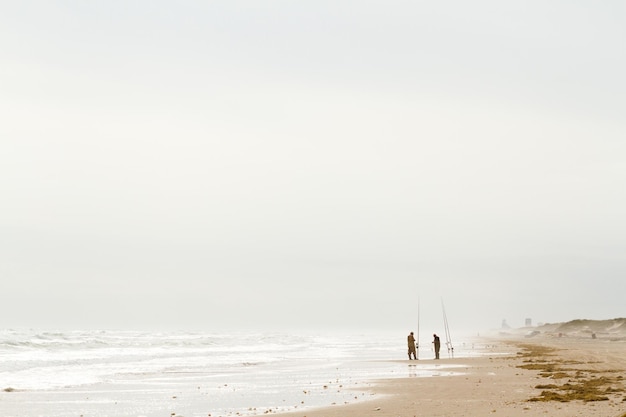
(311, 164)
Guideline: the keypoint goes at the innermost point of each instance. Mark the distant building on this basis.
(529, 322)
(505, 325)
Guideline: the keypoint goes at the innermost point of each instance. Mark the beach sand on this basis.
(505, 385)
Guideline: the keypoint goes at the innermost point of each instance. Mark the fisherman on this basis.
(411, 341)
(437, 345)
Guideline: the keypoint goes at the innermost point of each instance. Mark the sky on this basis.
(311, 165)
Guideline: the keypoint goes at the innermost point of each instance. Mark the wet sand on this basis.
(543, 375)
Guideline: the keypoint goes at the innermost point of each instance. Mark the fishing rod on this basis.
(417, 343)
(447, 330)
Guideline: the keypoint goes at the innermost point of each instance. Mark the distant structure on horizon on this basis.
(505, 325)
(529, 322)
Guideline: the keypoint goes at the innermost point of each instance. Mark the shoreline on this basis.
(543, 375)
(508, 374)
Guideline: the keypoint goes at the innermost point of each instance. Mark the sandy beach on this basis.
(566, 370)
(543, 375)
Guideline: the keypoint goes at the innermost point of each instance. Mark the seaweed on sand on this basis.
(582, 385)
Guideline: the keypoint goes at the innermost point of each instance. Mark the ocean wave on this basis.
(49, 359)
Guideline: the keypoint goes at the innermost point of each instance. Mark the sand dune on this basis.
(614, 328)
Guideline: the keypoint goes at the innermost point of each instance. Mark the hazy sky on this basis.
(311, 164)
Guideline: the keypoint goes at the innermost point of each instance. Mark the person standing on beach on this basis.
(411, 341)
(437, 345)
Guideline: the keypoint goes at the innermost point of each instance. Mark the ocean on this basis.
(131, 373)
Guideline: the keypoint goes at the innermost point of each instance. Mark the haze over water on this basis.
(311, 165)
